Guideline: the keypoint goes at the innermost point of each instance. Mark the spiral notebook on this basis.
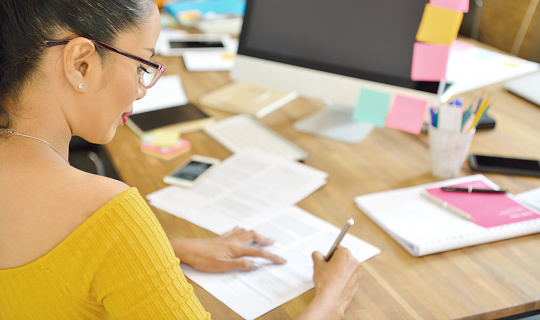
(423, 227)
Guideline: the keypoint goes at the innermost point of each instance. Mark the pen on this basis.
(433, 113)
(472, 190)
(344, 230)
(479, 114)
(445, 205)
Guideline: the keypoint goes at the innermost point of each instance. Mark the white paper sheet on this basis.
(471, 68)
(197, 61)
(167, 92)
(297, 234)
(211, 60)
(531, 197)
(244, 189)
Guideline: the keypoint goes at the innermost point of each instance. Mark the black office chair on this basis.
(92, 158)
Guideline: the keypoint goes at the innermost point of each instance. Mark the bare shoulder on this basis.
(61, 202)
(95, 191)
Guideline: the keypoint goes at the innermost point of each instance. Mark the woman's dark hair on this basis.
(25, 24)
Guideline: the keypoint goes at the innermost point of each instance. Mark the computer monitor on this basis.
(330, 50)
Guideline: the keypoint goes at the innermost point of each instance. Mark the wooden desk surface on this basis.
(482, 282)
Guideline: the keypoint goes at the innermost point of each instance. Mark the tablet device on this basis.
(177, 44)
(525, 87)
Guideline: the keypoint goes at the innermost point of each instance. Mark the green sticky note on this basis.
(372, 107)
(439, 25)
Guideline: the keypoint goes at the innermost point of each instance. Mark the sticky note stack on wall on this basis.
(437, 31)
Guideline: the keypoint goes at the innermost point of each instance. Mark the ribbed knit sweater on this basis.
(118, 264)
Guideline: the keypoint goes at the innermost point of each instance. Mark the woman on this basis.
(75, 245)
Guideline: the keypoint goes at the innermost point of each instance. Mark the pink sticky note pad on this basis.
(458, 5)
(429, 62)
(407, 114)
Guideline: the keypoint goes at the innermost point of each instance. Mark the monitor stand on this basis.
(334, 122)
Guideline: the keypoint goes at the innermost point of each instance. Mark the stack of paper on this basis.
(246, 187)
(257, 190)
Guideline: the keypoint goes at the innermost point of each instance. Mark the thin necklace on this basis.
(24, 135)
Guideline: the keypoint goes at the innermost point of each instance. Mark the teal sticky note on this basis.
(372, 107)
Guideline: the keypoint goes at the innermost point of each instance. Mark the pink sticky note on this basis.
(429, 62)
(458, 5)
(407, 113)
(461, 46)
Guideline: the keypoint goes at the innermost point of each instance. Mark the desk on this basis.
(481, 282)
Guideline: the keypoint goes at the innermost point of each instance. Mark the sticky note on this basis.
(429, 62)
(439, 25)
(461, 46)
(457, 5)
(407, 113)
(165, 138)
(372, 107)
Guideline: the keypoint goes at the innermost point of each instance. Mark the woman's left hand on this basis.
(225, 252)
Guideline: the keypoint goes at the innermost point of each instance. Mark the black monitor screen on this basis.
(366, 39)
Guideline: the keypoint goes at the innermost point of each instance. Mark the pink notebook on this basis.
(485, 209)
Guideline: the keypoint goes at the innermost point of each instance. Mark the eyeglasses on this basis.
(148, 76)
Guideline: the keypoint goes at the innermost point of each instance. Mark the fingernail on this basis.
(256, 266)
(284, 260)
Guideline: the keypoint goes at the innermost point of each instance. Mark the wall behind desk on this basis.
(498, 24)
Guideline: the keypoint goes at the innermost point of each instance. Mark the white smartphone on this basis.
(177, 44)
(191, 172)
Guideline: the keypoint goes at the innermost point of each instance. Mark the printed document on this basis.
(297, 234)
(245, 188)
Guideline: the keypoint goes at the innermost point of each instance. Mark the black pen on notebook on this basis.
(344, 231)
(472, 190)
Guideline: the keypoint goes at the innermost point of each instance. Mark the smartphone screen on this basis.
(524, 164)
(192, 170)
(505, 165)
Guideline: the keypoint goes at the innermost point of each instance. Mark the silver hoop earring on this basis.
(81, 86)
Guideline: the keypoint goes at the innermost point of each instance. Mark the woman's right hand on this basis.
(336, 283)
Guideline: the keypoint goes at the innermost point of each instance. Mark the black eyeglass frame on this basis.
(159, 66)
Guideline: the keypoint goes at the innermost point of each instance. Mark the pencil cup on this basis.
(448, 151)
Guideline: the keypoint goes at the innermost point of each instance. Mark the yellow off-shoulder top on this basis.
(118, 264)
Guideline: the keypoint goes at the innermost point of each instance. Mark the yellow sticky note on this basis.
(439, 25)
(228, 56)
(165, 138)
(512, 63)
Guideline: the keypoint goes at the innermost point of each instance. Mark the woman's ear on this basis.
(82, 63)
